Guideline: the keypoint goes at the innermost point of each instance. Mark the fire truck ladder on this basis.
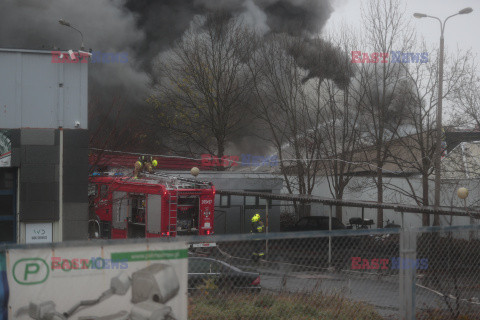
(172, 212)
(169, 178)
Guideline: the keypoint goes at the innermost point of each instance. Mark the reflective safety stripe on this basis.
(259, 229)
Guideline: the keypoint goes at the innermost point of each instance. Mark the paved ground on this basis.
(308, 275)
(379, 290)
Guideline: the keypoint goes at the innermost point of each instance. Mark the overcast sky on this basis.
(462, 30)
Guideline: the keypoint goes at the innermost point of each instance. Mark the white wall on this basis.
(363, 188)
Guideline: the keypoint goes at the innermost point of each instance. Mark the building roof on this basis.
(454, 138)
(463, 162)
(26, 51)
(124, 160)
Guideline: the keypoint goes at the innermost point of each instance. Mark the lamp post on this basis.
(438, 146)
(194, 172)
(67, 24)
(462, 193)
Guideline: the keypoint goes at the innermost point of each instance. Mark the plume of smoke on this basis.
(144, 29)
(165, 21)
(106, 27)
(322, 60)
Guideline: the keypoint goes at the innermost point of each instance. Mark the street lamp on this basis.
(462, 193)
(438, 147)
(194, 172)
(67, 24)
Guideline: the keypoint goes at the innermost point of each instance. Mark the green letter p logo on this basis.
(31, 268)
(30, 271)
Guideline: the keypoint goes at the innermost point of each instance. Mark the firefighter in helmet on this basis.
(257, 227)
(144, 163)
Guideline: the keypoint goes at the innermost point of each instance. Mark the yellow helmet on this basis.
(256, 217)
(154, 163)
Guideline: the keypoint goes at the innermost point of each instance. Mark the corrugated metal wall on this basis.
(36, 93)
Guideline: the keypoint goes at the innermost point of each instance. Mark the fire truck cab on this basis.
(154, 205)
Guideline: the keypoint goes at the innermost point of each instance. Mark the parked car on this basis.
(225, 276)
(314, 250)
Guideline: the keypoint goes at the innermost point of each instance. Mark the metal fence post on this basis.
(330, 238)
(407, 273)
(266, 228)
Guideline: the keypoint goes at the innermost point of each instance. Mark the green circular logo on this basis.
(30, 271)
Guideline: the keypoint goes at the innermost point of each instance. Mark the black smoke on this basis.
(143, 29)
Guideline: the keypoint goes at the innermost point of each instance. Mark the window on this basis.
(250, 201)
(103, 191)
(224, 200)
(196, 265)
(92, 190)
(137, 208)
(6, 205)
(7, 231)
(262, 202)
(257, 202)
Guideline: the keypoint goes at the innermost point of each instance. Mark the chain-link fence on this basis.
(427, 273)
(422, 273)
(452, 276)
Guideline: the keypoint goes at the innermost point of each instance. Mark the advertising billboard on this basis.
(5, 149)
(133, 281)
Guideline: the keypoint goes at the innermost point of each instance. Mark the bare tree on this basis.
(379, 84)
(112, 129)
(284, 106)
(339, 121)
(205, 86)
(415, 145)
(467, 98)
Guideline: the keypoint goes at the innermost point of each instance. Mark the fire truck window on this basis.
(92, 190)
(188, 201)
(120, 209)
(138, 208)
(103, 191)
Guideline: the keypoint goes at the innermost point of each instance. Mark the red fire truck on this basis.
(154, 205)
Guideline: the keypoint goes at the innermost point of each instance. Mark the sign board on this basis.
(204, 245)
(132, 281)
(5, 149)
(38, 232)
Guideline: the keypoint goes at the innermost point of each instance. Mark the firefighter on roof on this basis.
(144, 163)
(257, 227)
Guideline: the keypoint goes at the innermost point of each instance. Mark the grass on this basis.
(294, 306)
